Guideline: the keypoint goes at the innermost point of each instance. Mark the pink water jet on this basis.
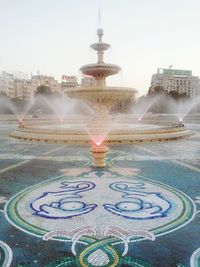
(98, 139)
(61, 119)
(21, 118)
(98, 143)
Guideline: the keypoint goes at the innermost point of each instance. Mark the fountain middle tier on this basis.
(100, 69)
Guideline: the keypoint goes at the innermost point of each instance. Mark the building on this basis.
(24, 88)
(7, 84)
(18, 88)
(49, 81)
(88, 81)
(69, 81)
(181, 81)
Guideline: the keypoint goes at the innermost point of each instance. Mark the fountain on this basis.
(100, 98)
(100, 128)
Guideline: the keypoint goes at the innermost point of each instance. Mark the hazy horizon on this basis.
(54, 37)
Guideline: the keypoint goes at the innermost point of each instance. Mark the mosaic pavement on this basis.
(141, 210)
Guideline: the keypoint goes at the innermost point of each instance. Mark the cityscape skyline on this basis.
(55, 38)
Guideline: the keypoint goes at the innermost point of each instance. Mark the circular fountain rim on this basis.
(115, 136)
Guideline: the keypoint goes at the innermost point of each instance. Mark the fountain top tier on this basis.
(99, 96)
(100, 70)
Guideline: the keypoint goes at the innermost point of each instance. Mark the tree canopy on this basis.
(156, 90)
(43, 90)
(160, 90)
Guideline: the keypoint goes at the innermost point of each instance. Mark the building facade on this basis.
(69, 81)
(7, 84)
(49, 81)
(180, 81)
(88, 81)
(25, 89)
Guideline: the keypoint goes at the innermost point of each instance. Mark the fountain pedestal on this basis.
(21, 124)
(99, 155)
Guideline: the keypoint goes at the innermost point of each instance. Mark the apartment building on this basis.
(181, 81)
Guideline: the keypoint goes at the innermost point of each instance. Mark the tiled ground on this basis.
(106, 218)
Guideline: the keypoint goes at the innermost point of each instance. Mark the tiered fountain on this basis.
(100, 98)
(100, 129)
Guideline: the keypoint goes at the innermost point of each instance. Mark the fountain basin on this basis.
(107, 96)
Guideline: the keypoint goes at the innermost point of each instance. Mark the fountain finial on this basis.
(99, 18)
(100, 34)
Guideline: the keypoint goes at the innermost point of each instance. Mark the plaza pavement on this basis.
(154, 188)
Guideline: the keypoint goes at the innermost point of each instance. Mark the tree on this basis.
(176, 96)
(43, 90)
(157, 90)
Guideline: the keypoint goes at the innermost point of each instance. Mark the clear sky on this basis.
(53, 36)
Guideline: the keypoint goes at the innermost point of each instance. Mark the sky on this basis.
(53, 36)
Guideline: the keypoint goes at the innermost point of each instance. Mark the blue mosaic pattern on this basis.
(63, 202)
(138, 204)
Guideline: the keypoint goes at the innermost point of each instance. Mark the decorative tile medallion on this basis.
(100, 210)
